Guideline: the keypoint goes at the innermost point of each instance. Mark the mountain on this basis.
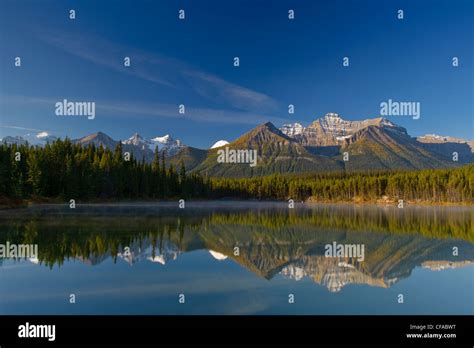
(138, 146)
(219, 143)
(164, 143)
(276, 153)
(40, 139)
(17, 140)
(328, 144)
(292, 129)
(446, 146)
(168, 144)
(332, 130)
(97, 139)
(44, 138)
(442, 139)
(131, 145)
(190, 156)
(371, 144)
(138, 140)
(381, 148)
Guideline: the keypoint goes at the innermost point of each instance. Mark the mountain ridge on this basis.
(328, 144)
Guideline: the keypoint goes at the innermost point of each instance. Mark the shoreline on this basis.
(19, 204)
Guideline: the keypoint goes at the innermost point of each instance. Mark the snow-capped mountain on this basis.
(100, 139)
(332, 130)
(374, 144)
(167, 143)
(164, 143)
(441, 139)
(137, 140)
(9, 140)
(165, 140)
(139, 146)
(292, 129)
(41, 139)
(448, 146)
(219, 143)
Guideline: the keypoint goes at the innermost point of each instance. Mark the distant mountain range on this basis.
(372, 144)
(329, 144)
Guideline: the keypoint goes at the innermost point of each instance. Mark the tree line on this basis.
(65, 170)
(440, 185)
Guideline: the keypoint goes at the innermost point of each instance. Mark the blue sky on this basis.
(190, 62)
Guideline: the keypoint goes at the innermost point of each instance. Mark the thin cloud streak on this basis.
(158, 110)
(162, 70)
(22, 128)
(192, 113)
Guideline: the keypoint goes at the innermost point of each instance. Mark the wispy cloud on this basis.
(162, 70)
(21, 128)
(106, 53)
(147, 110)
(215, 88)
(192, 113)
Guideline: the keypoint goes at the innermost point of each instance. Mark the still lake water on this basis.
(138, 258)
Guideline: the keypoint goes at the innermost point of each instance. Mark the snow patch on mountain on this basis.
(45, 138)
(292, 129)
(165, 139)
(344, 137)
(220, 143)
(217, 255)
(434, 138)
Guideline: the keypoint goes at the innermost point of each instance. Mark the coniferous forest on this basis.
(63, 170)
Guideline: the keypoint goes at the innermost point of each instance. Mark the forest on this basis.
(63, 170)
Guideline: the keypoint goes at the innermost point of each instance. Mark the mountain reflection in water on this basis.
(270, 238)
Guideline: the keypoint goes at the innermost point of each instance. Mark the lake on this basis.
(238, 258)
